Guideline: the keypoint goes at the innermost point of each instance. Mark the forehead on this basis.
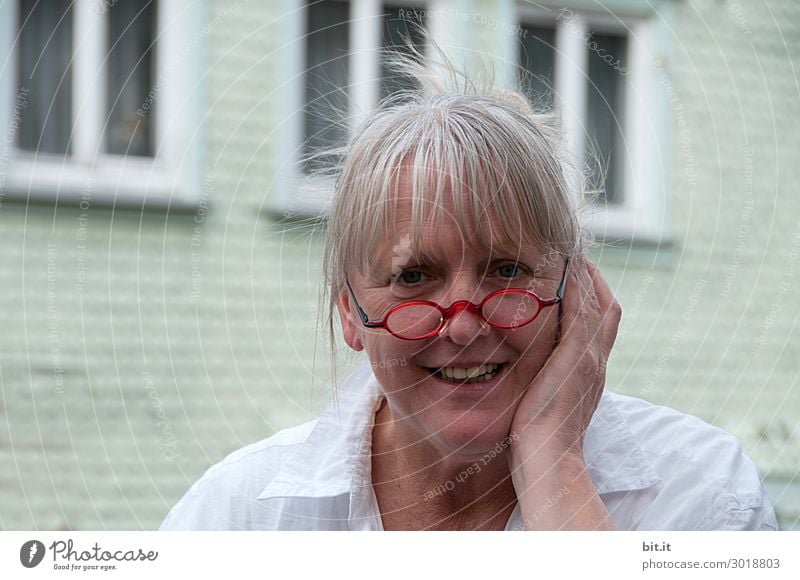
(433, 207)
(449, 230)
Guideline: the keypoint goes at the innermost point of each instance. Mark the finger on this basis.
(609, 308)
(573, 324)
(601, 287)
(596, 345)
(576, 351)
(588, 307)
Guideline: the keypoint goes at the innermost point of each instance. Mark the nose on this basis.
(463, 325)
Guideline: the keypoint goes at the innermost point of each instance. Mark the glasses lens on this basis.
(414, 321)
(511, 309)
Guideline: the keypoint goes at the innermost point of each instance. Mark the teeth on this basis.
(470, 373)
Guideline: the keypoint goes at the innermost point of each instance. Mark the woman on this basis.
(456, 262)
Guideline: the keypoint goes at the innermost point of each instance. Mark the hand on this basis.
(556, 408)
(546, 460)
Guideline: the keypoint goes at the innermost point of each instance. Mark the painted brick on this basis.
(140, 363)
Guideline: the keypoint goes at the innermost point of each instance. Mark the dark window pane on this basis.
(606, 112)
(45, 52)
(326, 78)
(131, 96)
(537, 59)
(400, 23)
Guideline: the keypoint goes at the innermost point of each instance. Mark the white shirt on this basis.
(654, 468)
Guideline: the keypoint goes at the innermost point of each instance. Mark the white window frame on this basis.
(173, 177)
(296, 195)
(642, 213)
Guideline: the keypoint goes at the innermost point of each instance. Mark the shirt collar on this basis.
(335, 455)
(335, 459)
(613, 457)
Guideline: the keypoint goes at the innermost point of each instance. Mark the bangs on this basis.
(438, 163)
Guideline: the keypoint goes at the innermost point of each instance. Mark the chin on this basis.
(468, 435)
(463, 420)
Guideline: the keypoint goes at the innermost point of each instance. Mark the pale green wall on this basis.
(711, 322)
(229, 361)
(216, 361)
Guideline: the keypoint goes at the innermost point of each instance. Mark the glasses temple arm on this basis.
(563, 285)
(361, 313)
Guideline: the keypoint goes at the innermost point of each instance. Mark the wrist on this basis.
(556, 492)
(548, 445)
(531, 464)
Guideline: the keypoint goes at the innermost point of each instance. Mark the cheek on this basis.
(535, 342)
(550, 323)
(390, 359)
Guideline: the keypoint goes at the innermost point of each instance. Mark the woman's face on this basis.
(459, 419)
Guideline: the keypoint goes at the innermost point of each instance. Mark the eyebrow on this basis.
(436, 255)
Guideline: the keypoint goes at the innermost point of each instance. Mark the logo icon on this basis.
(402, 256)
(31, 553)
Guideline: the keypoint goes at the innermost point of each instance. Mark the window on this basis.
(45, 42)
(102, 100)
(594, 68)
(329, 82)
(131, 42)
(602, 115)
(586, 65)
(537, 59)
(326, 76)
(343, 75)
(605, 112)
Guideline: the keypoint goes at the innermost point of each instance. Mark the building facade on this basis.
(162, 261)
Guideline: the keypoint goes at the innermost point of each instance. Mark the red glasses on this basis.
(505, 309)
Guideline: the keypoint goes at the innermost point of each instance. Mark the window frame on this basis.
(173, 176)
(642, 213)
(641, 216)
(295, 194)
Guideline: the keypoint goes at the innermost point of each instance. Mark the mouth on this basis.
(468, 376)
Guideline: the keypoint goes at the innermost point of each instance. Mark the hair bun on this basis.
(516, 100)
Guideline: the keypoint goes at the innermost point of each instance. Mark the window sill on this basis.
(119, 182)
(306, 199)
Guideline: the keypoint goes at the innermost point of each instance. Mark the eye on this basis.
(409, 277)
(510, 270)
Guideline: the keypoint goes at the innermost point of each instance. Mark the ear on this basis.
(347, 317)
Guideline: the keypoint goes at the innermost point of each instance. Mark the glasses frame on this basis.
(447, 313)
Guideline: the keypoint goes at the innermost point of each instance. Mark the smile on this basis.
(478, 374)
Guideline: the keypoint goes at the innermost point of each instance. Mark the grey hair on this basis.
(495, 156)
